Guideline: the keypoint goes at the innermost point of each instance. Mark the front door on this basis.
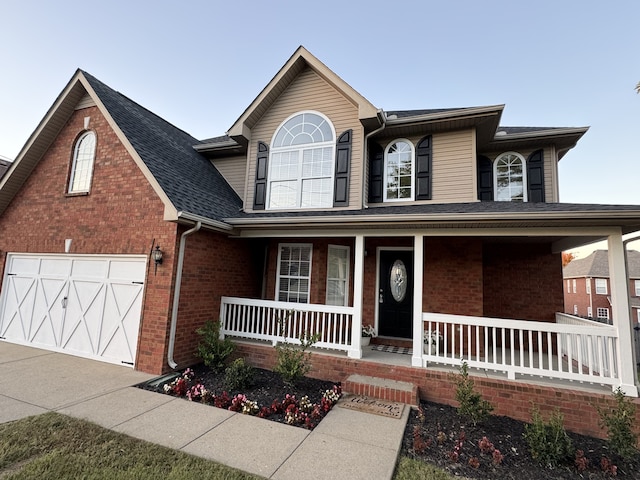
(395, 293)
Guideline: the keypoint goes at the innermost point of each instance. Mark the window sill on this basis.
(76, 194)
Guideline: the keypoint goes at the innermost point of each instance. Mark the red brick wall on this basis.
(522, 281)
(512, 399)
(121, 215)
(214, 266)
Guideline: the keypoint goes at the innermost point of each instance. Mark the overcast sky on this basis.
(199, 64)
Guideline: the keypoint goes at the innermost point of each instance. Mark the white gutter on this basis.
(204, 220)
(176, 294)
(365, 160)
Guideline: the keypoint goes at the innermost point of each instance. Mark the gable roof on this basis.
(190, 181)
(187, 183)
(596, 265)
(301, 59)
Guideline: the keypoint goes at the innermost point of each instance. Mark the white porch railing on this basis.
(280, 321)
(587, 352)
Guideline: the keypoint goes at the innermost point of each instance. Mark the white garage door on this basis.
(85, 305)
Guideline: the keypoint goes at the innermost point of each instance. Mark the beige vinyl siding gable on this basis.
(309, 92)
(550, 169)
(233, 169)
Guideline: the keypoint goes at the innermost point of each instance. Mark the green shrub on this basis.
(293, 361)
(619, 422)
(471, 403)
(213, 351)
(548, 442)
(238, 375)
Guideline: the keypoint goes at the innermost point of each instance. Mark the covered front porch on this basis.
(459, 307)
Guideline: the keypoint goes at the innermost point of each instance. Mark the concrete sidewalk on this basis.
(358, 445)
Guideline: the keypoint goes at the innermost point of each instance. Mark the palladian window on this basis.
(398, 168)
(83, 157)
(302, 162)
(510, 178)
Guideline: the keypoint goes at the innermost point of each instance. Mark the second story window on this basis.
(601, 286)
(83, 156)
(302, 162)
(510, 181)
(398, 171)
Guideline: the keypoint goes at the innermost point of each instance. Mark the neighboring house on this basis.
(317, 212)
(587, 288)
(5, 163)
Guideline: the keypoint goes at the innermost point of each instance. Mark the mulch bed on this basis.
(506, 435)
(266, 387)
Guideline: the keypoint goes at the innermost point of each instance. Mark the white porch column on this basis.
(418, 269)
(620, 311)
(358, 278)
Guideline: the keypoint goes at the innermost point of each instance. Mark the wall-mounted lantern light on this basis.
(156, 255)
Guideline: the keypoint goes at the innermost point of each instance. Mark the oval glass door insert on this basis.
(398, 280)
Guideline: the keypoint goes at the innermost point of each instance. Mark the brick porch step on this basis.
(382, 388)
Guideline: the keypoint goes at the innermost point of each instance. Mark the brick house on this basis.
(587, 286)
(317, 212)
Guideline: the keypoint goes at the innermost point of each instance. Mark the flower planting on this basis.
(300, 411)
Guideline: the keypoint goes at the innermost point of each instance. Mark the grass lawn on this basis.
(410, 469)
(54, 446)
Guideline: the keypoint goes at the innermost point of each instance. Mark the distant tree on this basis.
(566, 258)
(638, 88)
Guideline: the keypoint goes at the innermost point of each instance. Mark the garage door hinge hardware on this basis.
(11, 274)
(64, 302)
(126, 363)
(138, 283)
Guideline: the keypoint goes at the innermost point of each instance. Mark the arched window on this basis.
(398, 168)
(302, 162)
(83, 156)
(509, 171)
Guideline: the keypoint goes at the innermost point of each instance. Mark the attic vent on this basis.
(501, 133)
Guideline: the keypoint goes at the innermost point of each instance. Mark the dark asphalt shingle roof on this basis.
(495, 208)
(189, 179)
(596, 265)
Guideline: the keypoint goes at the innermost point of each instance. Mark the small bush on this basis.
(471, 403)
(619, 422)
(293, 361)
(238, 375)
(548, 442)
(213, 351)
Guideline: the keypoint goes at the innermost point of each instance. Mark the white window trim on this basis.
(588, 285)
(76, 146)
(604, 282)
(280, 245)
(299, 179)
(575, 309)
(574, 285)
(413, 172)
(524, 176)
(637, 285)
(590, 312)
(602, 310)
(348, 273)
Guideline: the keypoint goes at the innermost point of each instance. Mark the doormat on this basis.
(372, 405)
(392, 349)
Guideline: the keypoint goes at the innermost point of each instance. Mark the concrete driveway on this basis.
(33, 381)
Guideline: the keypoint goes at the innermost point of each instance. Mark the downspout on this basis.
(176, 294)
(365, 160)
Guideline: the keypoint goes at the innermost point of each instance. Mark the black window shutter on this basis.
(260, 193)
(535, 176)
(485, 179)
(423, 169)
(376, 166)
(343, 166)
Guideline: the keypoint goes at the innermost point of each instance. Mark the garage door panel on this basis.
(45, 328)
(84, 305)
(19, 296)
